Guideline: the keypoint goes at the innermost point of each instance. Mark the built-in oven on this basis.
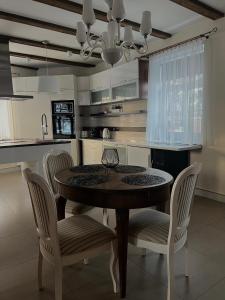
(63, 119)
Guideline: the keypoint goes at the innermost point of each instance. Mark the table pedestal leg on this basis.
(61, 205)
(122, 223)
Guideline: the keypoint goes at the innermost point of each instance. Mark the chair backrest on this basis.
(181, 201)
(44, 209)
(54, 162)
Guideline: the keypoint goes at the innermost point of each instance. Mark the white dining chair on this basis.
(67, 241)
(53, 162)
(163, 233)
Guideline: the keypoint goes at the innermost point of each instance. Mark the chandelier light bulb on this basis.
(112, 27)
(105, 37)
(146, 24)
(118, 10)
(81, 33)
(88, 13)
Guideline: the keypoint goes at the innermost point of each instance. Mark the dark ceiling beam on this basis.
(24, 67)
(50, 59)
(100, 15)
(36, 23)
(39, 44)
(200, 8)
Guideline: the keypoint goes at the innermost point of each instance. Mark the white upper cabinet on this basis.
(25, 84)
(66, 82)
(100, 81)
(19, 84)
(83, 83)
(125, 73)
(84, 97)
(32, 84)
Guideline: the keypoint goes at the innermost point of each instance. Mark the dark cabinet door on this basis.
(172, 162)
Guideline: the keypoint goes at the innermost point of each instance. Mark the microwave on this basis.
(63, 107)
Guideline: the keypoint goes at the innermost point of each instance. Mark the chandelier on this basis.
(109, 42)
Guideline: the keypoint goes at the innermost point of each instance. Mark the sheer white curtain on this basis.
(6, 125)
(175, 104)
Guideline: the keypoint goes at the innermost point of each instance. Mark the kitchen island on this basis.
(30, 152)
(171, 158)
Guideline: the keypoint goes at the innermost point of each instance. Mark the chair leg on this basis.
(170, 274)
(186, 259)
(58, 283)
(40, 263)
(114, 267)
(105, 217)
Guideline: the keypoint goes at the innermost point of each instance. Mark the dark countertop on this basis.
(30, 142)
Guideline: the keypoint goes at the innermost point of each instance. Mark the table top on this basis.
(122, 178)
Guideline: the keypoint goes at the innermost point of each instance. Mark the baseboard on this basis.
(210, 195)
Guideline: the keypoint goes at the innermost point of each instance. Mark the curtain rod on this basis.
(204, 35)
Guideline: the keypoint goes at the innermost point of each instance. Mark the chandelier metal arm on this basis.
(110, 41)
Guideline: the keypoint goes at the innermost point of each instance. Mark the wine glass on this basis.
(110, 158)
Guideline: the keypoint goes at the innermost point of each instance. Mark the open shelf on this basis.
(103, 115)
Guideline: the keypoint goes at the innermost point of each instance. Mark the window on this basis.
(5, 119)
(175, 104)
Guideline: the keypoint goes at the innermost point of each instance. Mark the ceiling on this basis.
(166, 16)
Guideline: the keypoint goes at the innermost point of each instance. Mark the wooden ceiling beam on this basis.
(200, 8)
(100, 15)
(50, 59)
(24, 67)
(39, 44)
(36, 23)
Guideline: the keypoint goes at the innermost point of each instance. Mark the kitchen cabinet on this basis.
(84, 97)
(19, 84)
(83, 83)
(83, 90)
(30, 84)
(25, 84)
(91, 152)
(102, 96)
(126, 91)
(138, 156)
(130, 81)
(125, 73)
(170, 161)
(100, 81)
(66, 82)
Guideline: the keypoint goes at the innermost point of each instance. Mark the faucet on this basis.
(44, 126)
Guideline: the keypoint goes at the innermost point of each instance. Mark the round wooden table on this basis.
(122, 189)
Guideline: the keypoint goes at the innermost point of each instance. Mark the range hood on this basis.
(6, 86)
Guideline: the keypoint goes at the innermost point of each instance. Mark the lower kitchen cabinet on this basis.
(170, 161)
(91, 152)
(138, 156)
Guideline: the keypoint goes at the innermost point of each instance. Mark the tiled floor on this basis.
(146, 276)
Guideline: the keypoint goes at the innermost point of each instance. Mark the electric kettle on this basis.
(106, 133)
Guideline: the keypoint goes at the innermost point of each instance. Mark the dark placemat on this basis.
(87, 180)
(129, 169)
(143, 180)
(87, 169)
